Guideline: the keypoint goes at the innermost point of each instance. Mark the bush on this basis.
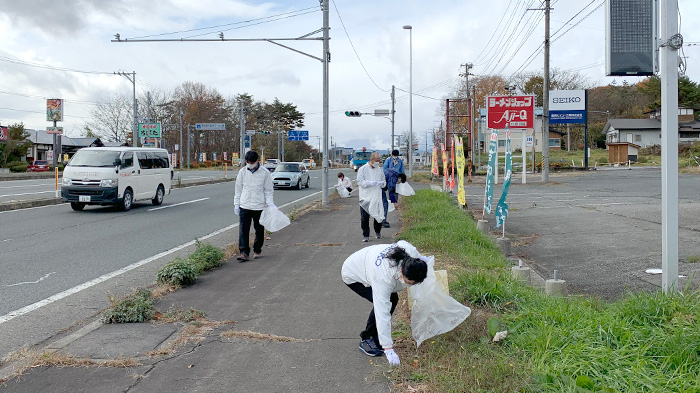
(206, 257)
(642, 160)
(137, 307)
(21, 167)
(603, 160)
(194, 165)
(179, 272)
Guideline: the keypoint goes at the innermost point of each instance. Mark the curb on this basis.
(6, 206)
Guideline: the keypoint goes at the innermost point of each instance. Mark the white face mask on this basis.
(252, 166)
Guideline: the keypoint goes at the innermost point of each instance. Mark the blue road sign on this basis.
(297, 135)
(247, 141)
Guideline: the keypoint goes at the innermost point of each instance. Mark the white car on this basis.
(308, 163)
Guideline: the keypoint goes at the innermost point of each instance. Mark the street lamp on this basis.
(410, 99)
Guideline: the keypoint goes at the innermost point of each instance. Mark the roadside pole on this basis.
(668, 67)
(524, 151)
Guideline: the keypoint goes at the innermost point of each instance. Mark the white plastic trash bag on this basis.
(374, 205)
(273, 219)
(434, 312)
(343, 192)
(404, 189)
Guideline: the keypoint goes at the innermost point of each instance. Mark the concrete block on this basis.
(555, 287)
(483, 225)
(504, 244)
(521, 272)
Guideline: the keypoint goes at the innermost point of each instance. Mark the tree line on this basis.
(112, 120)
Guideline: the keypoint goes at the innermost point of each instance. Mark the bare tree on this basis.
(112, 119)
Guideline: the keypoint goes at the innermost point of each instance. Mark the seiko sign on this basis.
(567, 106)
(562, 100)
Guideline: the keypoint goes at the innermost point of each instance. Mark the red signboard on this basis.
(3, 134)
(510, 112)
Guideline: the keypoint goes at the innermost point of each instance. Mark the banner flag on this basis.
(493, 145)
(434, 167)
(444, 161)
(502, 207)
(452, 177)
(461, 197)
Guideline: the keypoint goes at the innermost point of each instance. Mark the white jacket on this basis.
(253, 189)
(370, 267)
(371, 181)
(344, 182)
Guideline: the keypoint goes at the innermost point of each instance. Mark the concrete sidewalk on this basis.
(293, 296)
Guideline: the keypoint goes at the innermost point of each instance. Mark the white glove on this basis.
(382, 183)
(237, 210)
(271, 206)
(392, 357)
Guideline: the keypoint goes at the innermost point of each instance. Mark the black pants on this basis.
(371, 328)
(364, 223)
(244, 231)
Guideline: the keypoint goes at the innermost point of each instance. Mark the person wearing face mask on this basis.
(254, 192)
(371, 180)
(393, 167)
(377, 273)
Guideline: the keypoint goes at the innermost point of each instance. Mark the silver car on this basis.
(290, 174)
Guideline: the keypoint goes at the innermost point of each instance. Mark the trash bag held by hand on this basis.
(404, 189)
(434, 312)
(273, 219)
(343, 192)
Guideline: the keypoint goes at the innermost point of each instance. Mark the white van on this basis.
(116, 176)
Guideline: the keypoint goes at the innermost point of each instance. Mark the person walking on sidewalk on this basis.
(371, 180)
(377, 273)
(253, 193)
(393, 167)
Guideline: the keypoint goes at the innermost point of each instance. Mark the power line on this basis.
(255, 24)
(224, 25)
(354, 50)
(26, 63)
(494, 32)
(573, 17)
(23, 110)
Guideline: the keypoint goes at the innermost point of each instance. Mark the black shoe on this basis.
(386, 225)
(378, 235)
(370, 348)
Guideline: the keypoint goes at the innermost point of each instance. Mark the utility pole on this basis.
(180, 152)
(326, 60)
(545, 97)
(671, 42)
(393, 111)
(132, 78)
(188, 146)
(242, 126)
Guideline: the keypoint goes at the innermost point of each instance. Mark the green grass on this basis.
(644, 342)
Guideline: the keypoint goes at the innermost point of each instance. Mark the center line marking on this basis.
(177, 204)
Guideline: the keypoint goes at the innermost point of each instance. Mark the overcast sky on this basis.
(76, 34)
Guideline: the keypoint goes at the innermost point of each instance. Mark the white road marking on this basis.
(30, 208)
(30, 185)
(28, 193)
(177, 204)
(32, 282)
(61, 295)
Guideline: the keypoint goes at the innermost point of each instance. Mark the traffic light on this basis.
(353, 113)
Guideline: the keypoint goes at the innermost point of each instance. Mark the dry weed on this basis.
(30, 359)
(191, 333)
(259, 336)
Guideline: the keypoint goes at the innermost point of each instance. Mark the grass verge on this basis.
(644, 342)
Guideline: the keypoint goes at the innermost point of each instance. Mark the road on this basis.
(54, 259)
(19, 190)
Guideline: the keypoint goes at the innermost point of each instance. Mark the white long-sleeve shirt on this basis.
(254, 190)
(371, 181)
(370, 267)
(344, 182)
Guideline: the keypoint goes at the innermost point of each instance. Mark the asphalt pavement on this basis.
(293, 296)
(601, 230)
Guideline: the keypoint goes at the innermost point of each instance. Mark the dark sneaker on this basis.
(378, 235)
(365, 240)
(386, 225)
(243, 257)
(370, 348)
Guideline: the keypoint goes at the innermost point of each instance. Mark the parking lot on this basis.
(601, 230)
